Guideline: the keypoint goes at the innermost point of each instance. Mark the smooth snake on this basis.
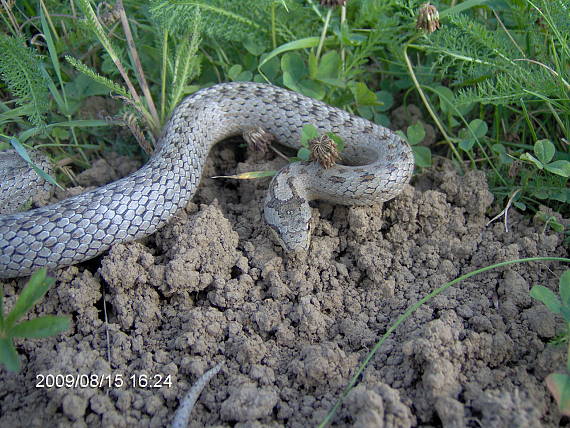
(376, 164)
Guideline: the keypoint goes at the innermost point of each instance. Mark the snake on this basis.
(375, 166)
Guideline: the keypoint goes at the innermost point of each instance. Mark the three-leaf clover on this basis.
(544, 152)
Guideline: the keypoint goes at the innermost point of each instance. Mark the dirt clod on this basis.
(150, 317)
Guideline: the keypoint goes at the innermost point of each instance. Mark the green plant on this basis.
(30, 79)
(558, 383)
(414, 135)
(20, 68)
(44, 326)
(505, 63)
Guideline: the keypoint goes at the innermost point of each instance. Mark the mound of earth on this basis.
(213, 287)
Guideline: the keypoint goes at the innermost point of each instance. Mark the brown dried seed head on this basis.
(324, 151)
(333, 3)
(428, 18)
(258, 139)
(131, 121)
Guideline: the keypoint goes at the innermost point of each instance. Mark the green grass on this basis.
(44, 326)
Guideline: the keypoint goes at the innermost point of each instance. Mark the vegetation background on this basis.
(481, 83)
(492, 81)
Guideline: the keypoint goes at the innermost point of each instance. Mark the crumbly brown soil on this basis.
(212, 286)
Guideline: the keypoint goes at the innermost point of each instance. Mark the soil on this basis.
(213, 287)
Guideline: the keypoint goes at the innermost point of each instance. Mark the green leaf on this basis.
(422, 156)
(234, 71)
(329, 67)
(520, 205)
(294, 70)
(61, 133)
(446, 99)
(307, 134)
(382, 120)
(45, 326)
(311, 89)
(68, 123)
(559, 386)
(61, 100)
(37, 286)
(271, 70)
(363, 96)
(557, 227)
(546, 296)
(24, 155)
(544, 150)
(8, 355)
(366, 112)
(304, 154)
(530, 158)
(499, 149)
(253, 46)
(559, 167)
(385, 100)
(401, 134)
(565, 312)
(309, 42)
(416, 133)
(458, 8)
(564, 287)
(466, 145)
(478, 128)
(339, 142)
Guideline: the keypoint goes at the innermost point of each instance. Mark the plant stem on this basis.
(427, 104)
(163, 75)
(155, 123)
(342, 21)
(324, 33)
(568, 353)
(273, 29)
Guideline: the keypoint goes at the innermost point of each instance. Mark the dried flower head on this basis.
(324, 151)
(428, 18)
(333, 3)
(131, 121)
(108, 14)
(258, 139)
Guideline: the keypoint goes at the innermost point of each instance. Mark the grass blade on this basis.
(37, 286)
(8, 355)
(45, 326)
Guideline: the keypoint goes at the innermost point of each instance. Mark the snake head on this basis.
(287, 210)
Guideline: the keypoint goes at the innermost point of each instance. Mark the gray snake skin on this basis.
(84, 226)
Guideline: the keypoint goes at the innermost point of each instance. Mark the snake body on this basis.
(84, 226)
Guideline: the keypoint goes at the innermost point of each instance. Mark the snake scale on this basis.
(376, 164)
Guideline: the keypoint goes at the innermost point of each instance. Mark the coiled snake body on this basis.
(84, 226)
